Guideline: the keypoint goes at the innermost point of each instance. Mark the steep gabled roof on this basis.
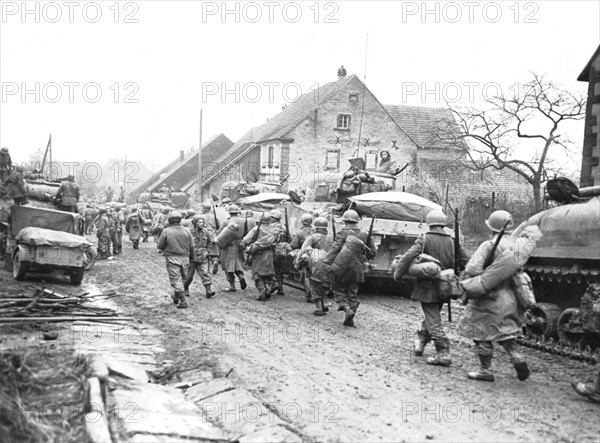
(420, 124)
(283, 123)
(585, 74)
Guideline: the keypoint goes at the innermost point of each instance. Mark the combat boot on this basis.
(186, 291)
(209, 292)
(215, 267)
(175, 298)
(182, 301)
(442, 356)
(517, 360)
(231, 286)
(319, 311)
(485, 372)
(349, 319)
(420, 343)
(243, 284)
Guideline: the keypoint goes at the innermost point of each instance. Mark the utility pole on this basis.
(199, 190)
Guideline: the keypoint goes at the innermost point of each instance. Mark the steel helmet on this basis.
(191, 212)
(275, 214)
(233, 209)
(497, 220)
(102, 210)
(165, 210)
(306, 219)
(226, 200)
(321, 222)
(436, 218)
(206, 206)
(266, 218)
(175, 217)
(350, 216)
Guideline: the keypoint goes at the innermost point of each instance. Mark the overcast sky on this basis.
(156, 63)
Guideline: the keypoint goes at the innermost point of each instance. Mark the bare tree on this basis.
(519, 131)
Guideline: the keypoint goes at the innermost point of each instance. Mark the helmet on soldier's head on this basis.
(191, 212)
(102, 210)
(133, 209)
(497, 220)
(226, 200)
(70, 177)
(306, 219)
(165, 210)
(275, 214)
(362, 177)
(146, 206)
(320, 222)
(266, 219)
(206, 206)
(175, 217)
(436, 218)
(4, 149)
(350, 216)
(233, 209)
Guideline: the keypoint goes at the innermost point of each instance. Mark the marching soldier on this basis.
(88, 216)
(161, 220)
(230, 235)
(211, 225)
(16, 186)
(177, 245)
(117, 237)
(103, 234)
(282, 249)
(187, 222)
(259, 244)
(203, 240)
(345, 284)
(146, 215)
(439, 244)
(496, 316)
(133, 226)
(320, 274)
(68, 195)
(297, 241)
(111, 231)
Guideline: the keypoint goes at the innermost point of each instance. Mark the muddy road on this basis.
(332, 383)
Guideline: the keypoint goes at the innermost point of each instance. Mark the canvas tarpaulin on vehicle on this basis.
(393, 206)
(47, 237)
(30, 216)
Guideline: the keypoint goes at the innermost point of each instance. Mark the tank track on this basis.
(550, 345)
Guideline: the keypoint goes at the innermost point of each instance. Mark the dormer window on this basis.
(353, 97)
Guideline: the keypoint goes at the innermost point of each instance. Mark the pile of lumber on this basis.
(47, 305)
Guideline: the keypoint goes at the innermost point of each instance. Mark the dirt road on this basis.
(332, 383)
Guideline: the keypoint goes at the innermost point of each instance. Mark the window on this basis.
(270, 157)
(371, 160)
(332, 160)
(353, 97)
(343, 121)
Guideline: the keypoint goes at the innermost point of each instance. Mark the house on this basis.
(590, 174)
(318, 133)
(181, 173)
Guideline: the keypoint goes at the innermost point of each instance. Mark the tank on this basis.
(565, 272)
(238, 190)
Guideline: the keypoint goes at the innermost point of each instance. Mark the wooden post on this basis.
(493, 200)
(199, 190)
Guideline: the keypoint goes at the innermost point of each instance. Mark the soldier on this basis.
(161, 220)
(117, 237)
(297, 241)
(203, 240)
(88, 216)
(231, 257)
(211, 224)
(187, 222)
(259, 244)
(68, 195)
(16, 187)
(177, 245)
(5, 164)
(345, 285)
(439, 244)
(103, 234)
(111, 231)
(133, 226)
(496, 316)
(146, 214)
(282, 249)
(320, 274)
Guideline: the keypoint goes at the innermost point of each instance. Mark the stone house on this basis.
(590, 172)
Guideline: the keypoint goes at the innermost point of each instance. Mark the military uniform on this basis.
(213, 252)
(133, 226)
(261, 251)
(17, 189)
(103, 235)
(320, 275)
(160, 221)
(280, 255)
(231, 257)
(88, 216)
(295, 245)
(177, 245)
(146, 214)
(68, 195)
(203, 240)
(117, 233)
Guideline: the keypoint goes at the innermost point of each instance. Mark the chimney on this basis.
(181, 155)
(341, 72)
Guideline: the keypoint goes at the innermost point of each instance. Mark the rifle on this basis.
(456, 254)
(287, 226)
(333, 228)
(248, 260)
(490, 257)
(245, 224)
(217, 224)
(371, 232)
